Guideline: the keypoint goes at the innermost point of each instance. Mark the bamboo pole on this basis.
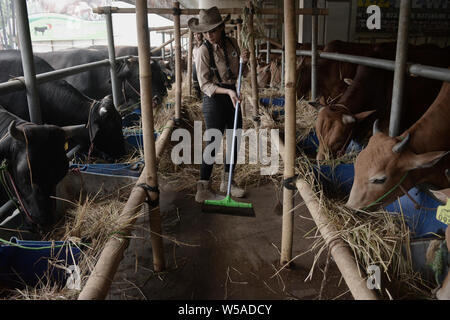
(189, 65)
(178, 80)
(290, 113)
(238, 38)
(100, 280)
(165, 28)
(339, 249)
(151, 177)
(269, 11)
(167, 42)
(254, 81)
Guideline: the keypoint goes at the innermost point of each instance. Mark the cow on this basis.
(331, 75)
(33, 162)
(389, 165)
(96, 83)
(369, 96)
(40, 29)
(61, 104)
(269, 74)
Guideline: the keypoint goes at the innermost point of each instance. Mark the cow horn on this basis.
(74, 131)
(376, 129)
(14, 132)
(399, 147)
(102, 111)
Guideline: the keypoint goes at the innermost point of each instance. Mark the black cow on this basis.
(96, 83)
(40, 29)
(33, 162)
(61, 104)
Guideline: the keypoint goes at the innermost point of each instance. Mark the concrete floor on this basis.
(212, 256)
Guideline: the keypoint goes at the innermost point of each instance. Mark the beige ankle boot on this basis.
(235, 190)
(205, 192)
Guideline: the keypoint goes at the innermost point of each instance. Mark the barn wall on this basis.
(341, 23)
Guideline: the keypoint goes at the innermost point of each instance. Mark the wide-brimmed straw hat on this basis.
(207, 20)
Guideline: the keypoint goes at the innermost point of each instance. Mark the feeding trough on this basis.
(24, 262)
(277, 104)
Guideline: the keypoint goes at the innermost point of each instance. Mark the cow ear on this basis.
(15, 133)
(348, 119)
(363, 115)
(348, 81)
(423, 160)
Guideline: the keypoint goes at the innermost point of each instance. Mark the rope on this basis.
(387, 193)
(416, 204)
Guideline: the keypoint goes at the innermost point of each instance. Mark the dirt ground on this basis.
(212, 256)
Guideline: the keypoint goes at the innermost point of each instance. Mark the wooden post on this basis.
(151, 177)
(189, 66)
(176, 21)
(238, 38)
(251, 45)
(289, 125)
(101, 277)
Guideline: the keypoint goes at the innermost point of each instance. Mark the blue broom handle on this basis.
(236, 112)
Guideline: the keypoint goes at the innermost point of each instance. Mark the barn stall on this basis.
(352, 250)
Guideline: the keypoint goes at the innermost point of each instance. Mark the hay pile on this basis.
(375, 238)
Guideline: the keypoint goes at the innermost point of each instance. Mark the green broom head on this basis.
(228, 206)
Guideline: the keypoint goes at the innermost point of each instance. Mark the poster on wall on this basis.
(428, 17)
(66, 19)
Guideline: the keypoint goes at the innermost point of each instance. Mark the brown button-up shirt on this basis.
(203, 66)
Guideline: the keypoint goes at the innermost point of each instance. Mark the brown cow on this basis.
(394, 164)
(263, 75)
(370, 93)
(331, 74)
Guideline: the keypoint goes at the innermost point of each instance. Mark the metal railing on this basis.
(414, 69)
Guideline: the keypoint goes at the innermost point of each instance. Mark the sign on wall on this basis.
(66, 19)
(428, 17)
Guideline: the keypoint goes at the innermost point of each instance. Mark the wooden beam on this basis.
(272, 11)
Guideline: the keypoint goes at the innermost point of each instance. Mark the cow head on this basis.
(263, 75)
(334, 128)
(36, 163)
(382, 167)
(129, 76)
(105, 128)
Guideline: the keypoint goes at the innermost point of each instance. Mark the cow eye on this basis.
(378, 180)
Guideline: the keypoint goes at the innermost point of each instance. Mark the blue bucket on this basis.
(310, 144)
(115, 169)
(25, 262)
(279, 102)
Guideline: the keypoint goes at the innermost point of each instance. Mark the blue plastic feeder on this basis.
(276, 102)
(114, 169)
(25, 262)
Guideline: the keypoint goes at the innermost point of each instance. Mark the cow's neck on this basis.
(431, 131)
(65, 106)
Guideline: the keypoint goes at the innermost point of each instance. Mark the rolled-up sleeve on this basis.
(202, 66)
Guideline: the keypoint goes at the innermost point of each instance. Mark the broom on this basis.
(228, 205)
